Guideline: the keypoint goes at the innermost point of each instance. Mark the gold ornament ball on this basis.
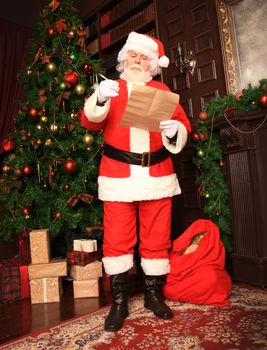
(6, 169)
(44, 119)
(62, 86)
(53, 128)
(71, 34)
(88, 139)
(39, 127)
(79, 89)
(51, 67)
(200, 153)
(72, 115)
(29, 71)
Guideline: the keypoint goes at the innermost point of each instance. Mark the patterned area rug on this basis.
(242, 325)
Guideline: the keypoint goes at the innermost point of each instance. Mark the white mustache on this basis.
(137, 66)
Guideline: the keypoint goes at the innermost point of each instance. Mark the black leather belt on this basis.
(144, 159)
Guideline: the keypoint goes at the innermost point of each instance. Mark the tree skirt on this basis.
(242, 325)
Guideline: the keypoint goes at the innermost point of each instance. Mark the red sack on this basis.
(199, 277)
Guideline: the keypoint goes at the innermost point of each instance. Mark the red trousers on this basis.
(120, 228)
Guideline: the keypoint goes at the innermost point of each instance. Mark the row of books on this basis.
(119, 11)
(140, 19)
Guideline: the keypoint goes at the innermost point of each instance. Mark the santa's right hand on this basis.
(107, 88)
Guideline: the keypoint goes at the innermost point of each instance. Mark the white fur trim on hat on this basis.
(141, 43)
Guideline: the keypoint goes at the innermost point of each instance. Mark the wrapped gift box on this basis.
(85, 245)
(46, 290)
(91, 271)
(86, 289)
(14, 280)
(56, 268)
(82, 258)
(40, 246)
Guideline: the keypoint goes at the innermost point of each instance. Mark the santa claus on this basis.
(136, 177)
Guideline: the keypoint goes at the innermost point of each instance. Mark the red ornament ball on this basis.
(221, 163)
(8, 145)
(71, 78)
(87, 68)
(66, 187)
(51, 32)
(203, 116)
(195, 136)
(26, 170)
(70, 166)
(57, 214)
(24, 135)
(202, 136)
(25, 211)
(17, 172)
(263, 100)
(32, 112)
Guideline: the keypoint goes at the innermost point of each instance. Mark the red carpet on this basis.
(242, 325)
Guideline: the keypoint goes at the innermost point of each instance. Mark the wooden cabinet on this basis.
(108, 28)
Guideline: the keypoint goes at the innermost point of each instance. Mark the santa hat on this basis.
(147, 45)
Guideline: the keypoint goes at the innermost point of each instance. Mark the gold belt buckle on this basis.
(145, 162)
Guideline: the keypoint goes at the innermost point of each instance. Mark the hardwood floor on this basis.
(20, 317)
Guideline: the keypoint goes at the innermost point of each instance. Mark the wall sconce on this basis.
(185, 61)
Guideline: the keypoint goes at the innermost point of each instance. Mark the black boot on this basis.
(153, 296)
(119, 308)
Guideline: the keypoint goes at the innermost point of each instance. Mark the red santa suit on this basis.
(122, 183)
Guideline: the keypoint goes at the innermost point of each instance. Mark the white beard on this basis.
(135, 76)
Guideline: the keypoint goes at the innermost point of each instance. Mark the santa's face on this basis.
(136, 66)
(138, 60)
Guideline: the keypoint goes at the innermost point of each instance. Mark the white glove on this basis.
(107, 88)
(169, 127)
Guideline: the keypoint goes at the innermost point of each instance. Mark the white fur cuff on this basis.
(180, 141)
(93, 112)
(114, 265)
(155, 267)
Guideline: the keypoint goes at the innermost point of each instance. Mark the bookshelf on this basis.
(108, 27)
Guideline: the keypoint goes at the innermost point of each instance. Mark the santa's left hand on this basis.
(169, 127)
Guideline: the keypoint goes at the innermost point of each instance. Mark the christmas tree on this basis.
(50, 169)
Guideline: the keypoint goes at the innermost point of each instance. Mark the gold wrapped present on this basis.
(46, 290)
(39, 246)
(85, 245)
(86, 289)
(56, 268)
(88, 272)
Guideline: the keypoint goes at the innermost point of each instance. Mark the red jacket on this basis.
(125, 182)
